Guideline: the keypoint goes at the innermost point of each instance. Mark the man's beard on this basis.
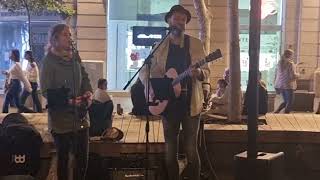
(176, 31)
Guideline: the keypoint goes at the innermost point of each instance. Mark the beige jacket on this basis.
(159, 64)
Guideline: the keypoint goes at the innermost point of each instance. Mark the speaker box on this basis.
(269, 166)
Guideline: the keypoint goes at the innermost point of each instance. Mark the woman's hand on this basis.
(88, 96)
(85, 98)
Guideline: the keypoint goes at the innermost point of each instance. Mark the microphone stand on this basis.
(147, 62)
(75, 110)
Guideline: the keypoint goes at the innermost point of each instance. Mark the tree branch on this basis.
(204, 19)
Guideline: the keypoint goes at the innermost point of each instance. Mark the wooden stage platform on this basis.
(279, 128)
(296, 134)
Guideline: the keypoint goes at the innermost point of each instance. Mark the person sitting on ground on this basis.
(206, 88)
(221, 87)
(219, 100)
(100, 111)
(263, 98)
(101, 93)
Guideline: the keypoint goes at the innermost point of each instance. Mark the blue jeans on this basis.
(34, 95)
(78, 144)
(12, 94)
(288, 97)
(171, 128)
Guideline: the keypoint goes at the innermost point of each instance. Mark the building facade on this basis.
(104, 35)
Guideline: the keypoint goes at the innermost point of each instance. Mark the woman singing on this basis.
(62, 69)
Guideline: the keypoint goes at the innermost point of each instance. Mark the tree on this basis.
(33, 6)
(204, 19)
(234, 113)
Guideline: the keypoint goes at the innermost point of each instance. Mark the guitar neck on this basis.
(212, 56)
(186, 72)
(180, 77)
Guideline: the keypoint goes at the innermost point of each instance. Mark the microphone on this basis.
(174, 30)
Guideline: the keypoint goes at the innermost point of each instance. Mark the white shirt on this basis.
(15, 72)
(33, 72)
(101, 96)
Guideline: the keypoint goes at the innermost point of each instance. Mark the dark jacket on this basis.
(57, 73)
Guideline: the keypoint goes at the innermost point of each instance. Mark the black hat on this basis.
(178, 8)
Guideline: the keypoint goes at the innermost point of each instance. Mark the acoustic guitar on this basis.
(160, 105)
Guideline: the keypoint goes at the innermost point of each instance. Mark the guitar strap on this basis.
(187, 49)
(188, 59)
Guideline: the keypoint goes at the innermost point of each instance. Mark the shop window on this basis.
(13, 35)
(124, 58)
(271, 16)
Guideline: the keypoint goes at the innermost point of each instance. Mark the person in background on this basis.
(219, 100)
(69, 125)
(100, 111)
(286, 81)
(16, 76)
(221, 87)
(101, 93)
(263, 98)
(33, 77)
(206, 88)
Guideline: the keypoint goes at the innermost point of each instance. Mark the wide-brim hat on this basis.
(177, 8)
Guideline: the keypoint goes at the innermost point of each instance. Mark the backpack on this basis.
(100, 117)
(20, 143)
(138, 99)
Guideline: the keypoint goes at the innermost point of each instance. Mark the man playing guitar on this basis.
(178, 52)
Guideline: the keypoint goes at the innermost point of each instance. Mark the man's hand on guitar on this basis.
(196, 73)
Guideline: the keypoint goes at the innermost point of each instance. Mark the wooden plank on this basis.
(213, 126)
(285, 124)
(226, 127)
(156, 129)
(273, 122)
(317, 120)
(126, 128)
(244, 127)
(139, 125)
(302, 122)
(265, 127)
(236, 127)
(291, 118)
(309, 119)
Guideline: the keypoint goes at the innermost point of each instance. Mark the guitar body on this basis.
(161, 105)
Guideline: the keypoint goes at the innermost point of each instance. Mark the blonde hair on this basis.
(53, 36)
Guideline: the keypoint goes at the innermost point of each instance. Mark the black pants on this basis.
(12, 94)
(34, 95)
(78, 145)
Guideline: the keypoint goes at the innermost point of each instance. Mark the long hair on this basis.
(285, 58)
(30, 54)
(16, 54)
(53, 36)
